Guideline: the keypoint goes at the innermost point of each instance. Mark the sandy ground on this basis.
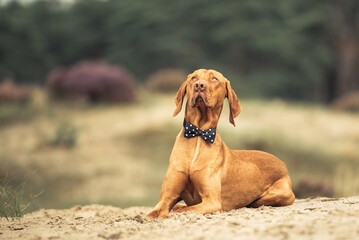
(320, 218)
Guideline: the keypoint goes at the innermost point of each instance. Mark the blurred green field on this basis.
(117, 154)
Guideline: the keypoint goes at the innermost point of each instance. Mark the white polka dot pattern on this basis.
(192, 131)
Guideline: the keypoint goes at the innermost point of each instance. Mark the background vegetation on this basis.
(296, 49)
(118, 154)
(285, 59)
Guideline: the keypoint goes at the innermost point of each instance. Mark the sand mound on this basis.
(320, 218)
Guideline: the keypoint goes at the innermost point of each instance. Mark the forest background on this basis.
(300, 50)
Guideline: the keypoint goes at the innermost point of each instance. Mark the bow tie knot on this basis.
(191, 131)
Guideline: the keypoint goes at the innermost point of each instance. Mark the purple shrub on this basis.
(92, 81)
(166, 80)
(11, 92)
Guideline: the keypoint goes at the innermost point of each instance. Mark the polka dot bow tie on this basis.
(191, 131)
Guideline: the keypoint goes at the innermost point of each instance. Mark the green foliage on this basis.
(273, 48)
(65, 136)
(15, 112)
(12, 199)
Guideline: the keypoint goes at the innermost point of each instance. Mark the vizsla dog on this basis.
(203, 171)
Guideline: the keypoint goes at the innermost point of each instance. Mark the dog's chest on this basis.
(204, 156)
(196, 152)
(193, 154)
(185, 154)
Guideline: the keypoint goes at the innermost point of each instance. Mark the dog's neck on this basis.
(203, 117)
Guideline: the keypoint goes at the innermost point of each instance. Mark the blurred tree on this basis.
(280, 46)
(37, 37)
(89, 20)
(288, 49)
(346, 32)
(24, 37)
(148, 35)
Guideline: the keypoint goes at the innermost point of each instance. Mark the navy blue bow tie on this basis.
(191, 131)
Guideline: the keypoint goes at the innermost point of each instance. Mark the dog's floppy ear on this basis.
(234, 105)
(179, 98)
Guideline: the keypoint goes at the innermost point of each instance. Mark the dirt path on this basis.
(321, 218)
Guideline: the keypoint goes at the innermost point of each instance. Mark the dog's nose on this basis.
(200, 86)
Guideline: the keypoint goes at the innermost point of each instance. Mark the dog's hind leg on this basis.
(279, 194)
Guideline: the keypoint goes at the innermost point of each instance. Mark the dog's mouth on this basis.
(199, 100)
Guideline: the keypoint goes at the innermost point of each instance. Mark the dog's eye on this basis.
(193, 78)
(214, 79)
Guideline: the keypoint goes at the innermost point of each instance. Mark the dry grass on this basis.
(121, 152)
(314, 142)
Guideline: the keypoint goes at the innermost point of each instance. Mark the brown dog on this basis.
(203, 171)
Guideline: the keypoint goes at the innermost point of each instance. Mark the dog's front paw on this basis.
(181, 209)
(157, 214)
(153, 214)
(178, 206)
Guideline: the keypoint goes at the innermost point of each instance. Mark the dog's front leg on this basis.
(209, 189)
(172, 187)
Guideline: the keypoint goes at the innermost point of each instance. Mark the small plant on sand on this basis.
(12, 199)
(65, 136)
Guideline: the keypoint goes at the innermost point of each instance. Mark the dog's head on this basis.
(207, 89)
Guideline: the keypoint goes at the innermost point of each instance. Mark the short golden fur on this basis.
(211, 177)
